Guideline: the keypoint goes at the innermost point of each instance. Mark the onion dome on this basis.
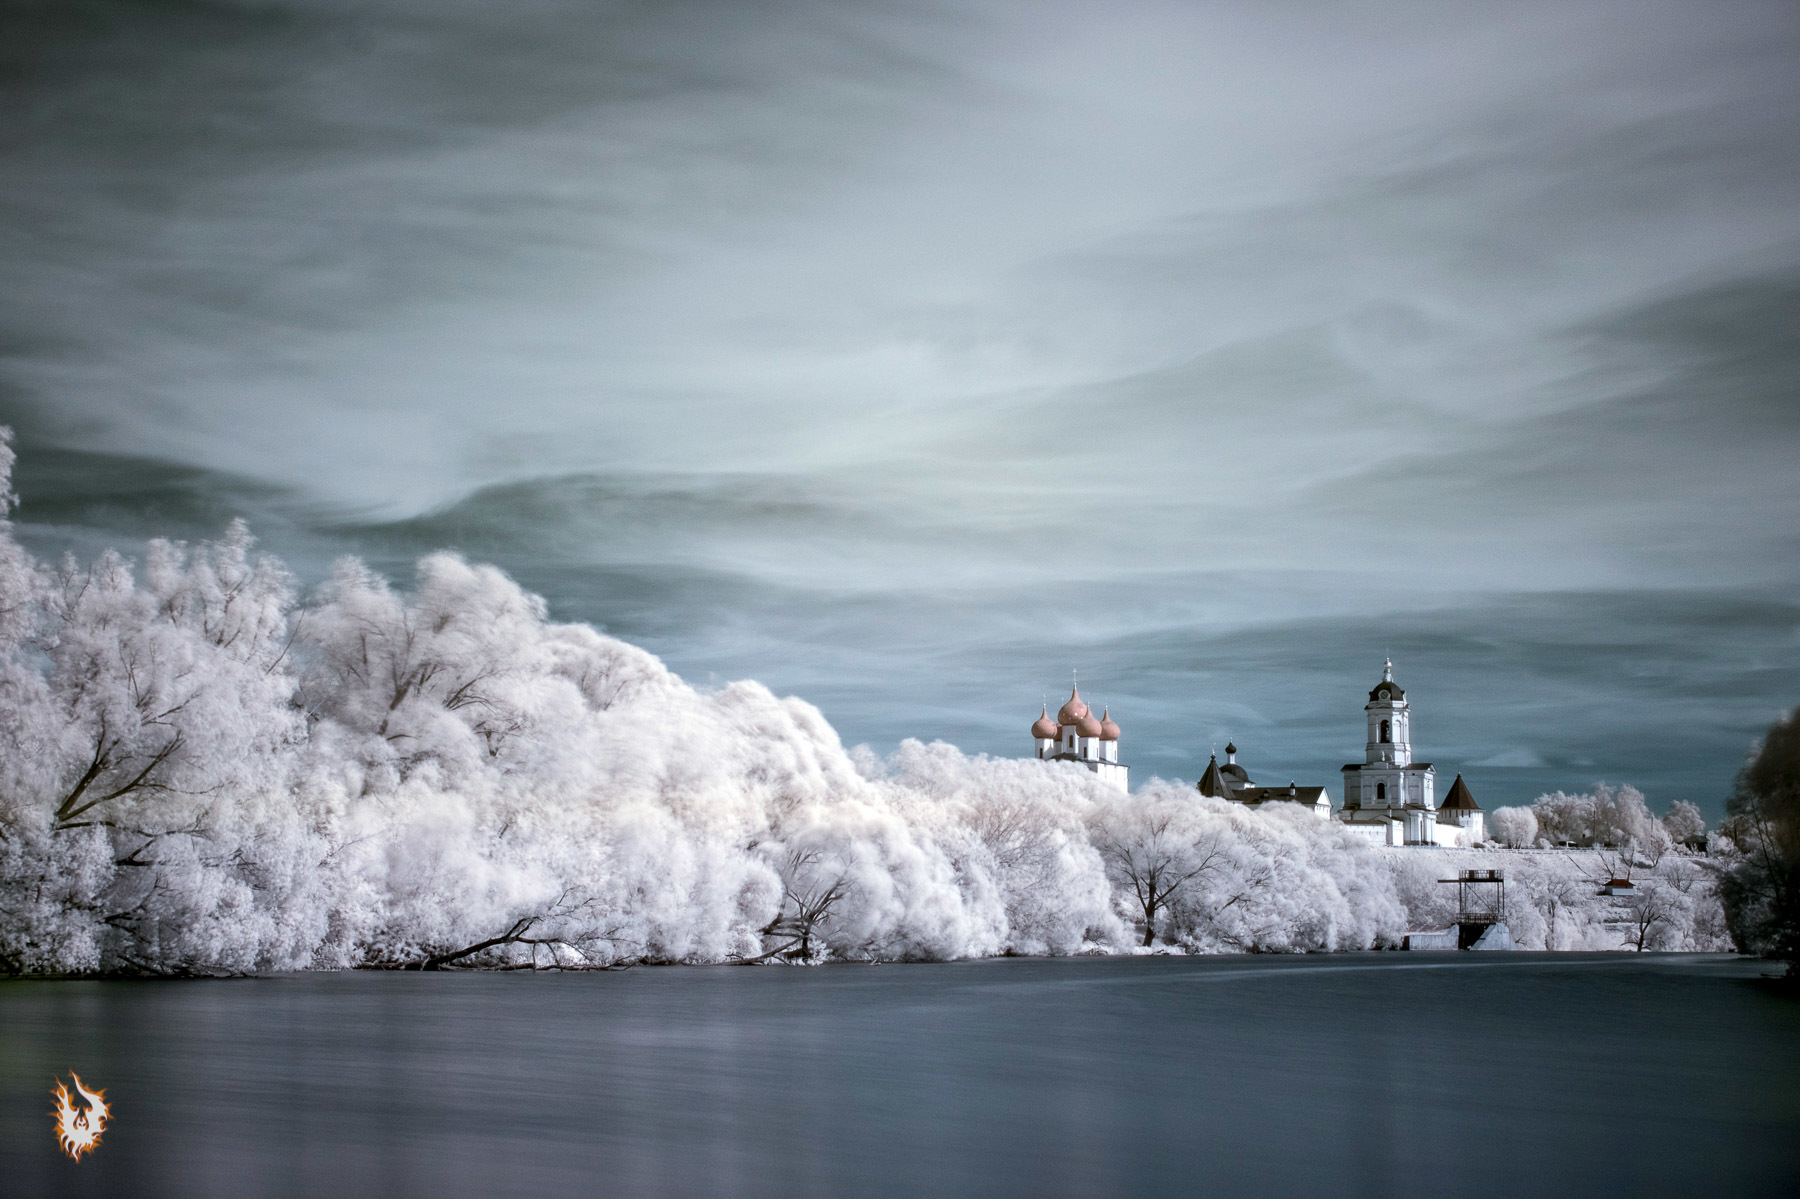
(1087, 726)
(1043, 727)
(1230, 748)
(1072, 711)
(1108, 730)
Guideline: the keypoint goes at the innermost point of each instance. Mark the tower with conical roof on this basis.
(1461, 810)
(1075, 735)
(1212, 782)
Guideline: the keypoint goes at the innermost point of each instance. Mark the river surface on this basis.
(1379, 1074)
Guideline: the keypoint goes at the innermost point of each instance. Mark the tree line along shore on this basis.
(203, 772)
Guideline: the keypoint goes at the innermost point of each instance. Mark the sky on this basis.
(909, 357)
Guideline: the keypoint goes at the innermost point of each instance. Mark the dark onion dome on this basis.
(1392, 688)
(1108, 730)
(1459, 799)
(1230, 748)
(1043, 728)
(1072, 711)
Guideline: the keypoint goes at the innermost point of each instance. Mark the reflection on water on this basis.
(1363, 1075)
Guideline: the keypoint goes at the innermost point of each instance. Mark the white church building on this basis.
(1076, 736)
(1388, 798)
(1391, 799)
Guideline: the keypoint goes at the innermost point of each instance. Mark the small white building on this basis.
(1076, 736)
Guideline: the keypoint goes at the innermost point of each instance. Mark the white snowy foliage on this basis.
(1609, 815)
(1231, 879)
(1515, 828)
(200, 773)
(1684, 824)
(1556, 899)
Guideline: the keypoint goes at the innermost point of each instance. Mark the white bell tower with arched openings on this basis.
(1390, 722)
(1387, 790)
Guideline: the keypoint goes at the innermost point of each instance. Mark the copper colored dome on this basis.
(1072, 711)
(1043, 727)
(1108, 730)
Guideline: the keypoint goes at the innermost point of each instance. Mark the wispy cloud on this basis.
(772, 331)
(1511, 759)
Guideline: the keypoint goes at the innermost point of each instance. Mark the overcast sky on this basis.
(908, 356)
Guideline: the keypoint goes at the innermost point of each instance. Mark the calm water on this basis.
(1363, 1075)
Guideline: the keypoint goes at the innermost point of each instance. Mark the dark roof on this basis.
(1459, 798)
(1210, 783)
(1392, 688)
(1235, 771)
(1264, 794)
(1386, 766)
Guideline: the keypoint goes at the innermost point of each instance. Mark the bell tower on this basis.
(1390, 721)
(1387, 792)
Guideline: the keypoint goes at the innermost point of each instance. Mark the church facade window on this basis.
(1380, 790)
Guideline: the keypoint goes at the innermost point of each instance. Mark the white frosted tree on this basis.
(1613, 816)
(1516, 828)
(159, 742)
(1685, 825)
(1015, 826)
(1153, 849)
(436, 681)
